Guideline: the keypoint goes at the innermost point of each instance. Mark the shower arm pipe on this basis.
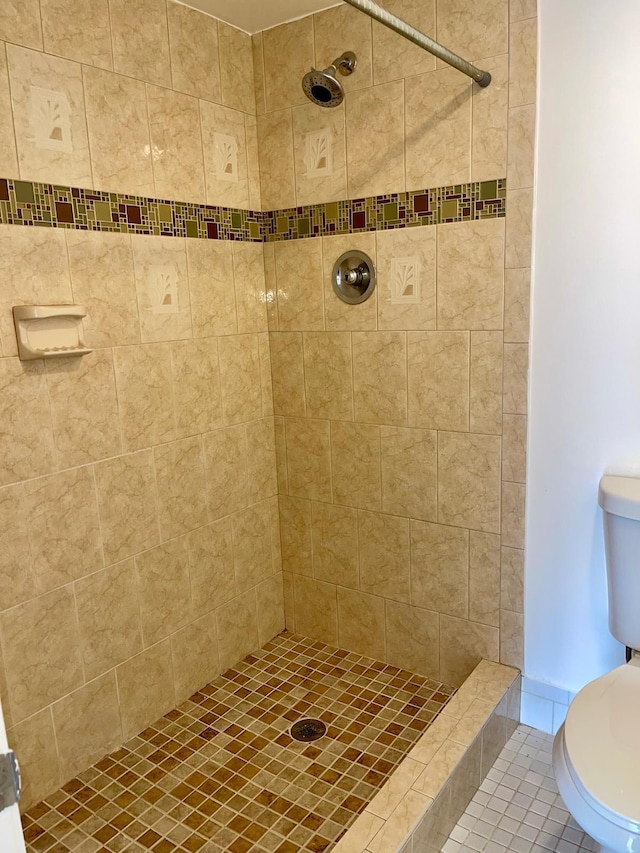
(482, 78)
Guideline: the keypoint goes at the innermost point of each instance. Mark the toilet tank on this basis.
(619, 498)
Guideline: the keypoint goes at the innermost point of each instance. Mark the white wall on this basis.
(585, 369)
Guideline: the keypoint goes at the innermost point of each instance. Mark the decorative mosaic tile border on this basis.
(46, 205)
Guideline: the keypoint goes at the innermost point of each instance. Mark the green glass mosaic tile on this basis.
(36, 204)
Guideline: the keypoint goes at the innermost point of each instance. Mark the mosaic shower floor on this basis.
(222, 773)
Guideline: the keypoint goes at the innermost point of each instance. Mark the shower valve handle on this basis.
(357, 276)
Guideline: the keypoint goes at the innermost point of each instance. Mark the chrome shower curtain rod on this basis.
(482, 78)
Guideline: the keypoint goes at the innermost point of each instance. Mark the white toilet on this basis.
(596, 753)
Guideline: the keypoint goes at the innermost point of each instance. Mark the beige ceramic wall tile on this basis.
(237, 629)
(339, 316)
(145, 688)
(440, 568)
(384, 555)
(469, 481)
(308, 459)
(522, 122)
(513, 507)
(438, 383)
(316, 609)
(299, 278)
(335, 544)
(225, 456)
(253, 161)
(258, 73)
(393, 56)
(523, 37)
(78, 29)
(160, 268)
(250, 287)
(41, 651)
(289, 609)
(375, 141)
(340, 28)
(361, 623)
(319, 145)
(109, 616)
(484, 578)
(413, 639)
(512, 580)
(194, 651)
(26, 418)
(380, 377)
(489, 123)
(101, 267)
(145, 400)
(140, 39)
(35, 742)
(516, 365)
(409, 472)
(328, 375)
(34, 261)
(281, 456)
(407, 278)
(438, 128)
(118, 132)
(518, 228)
(355, 461)
(48, 110)
(287, 368)
(213, 309)
(193, 39)
(270, 604)
(288, 55)
(519, 10)
(64, 531)
(514, 448)
(128, 505)
(8, 155)
(165, 596)
(295, 535)
(266, 377)
(261, 460)
(174, 126)
(252, 546)
(236, 68)
(211, 566)
(486, 382)
(196, 386)
(462, 646)
(516, 305)
(181, 487)
(20, 23)
(512, 639)
(16, 572)
(275, 143)
(471, 275)
(240, 378)
(84, 408)
(225, 155)
(276, 544)
(474, 31)
(87, 724)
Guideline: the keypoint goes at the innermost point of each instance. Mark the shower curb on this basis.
(424, 798)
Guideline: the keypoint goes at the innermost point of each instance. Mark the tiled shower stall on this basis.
(241, 451)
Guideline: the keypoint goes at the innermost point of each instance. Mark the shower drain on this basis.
(306, 730)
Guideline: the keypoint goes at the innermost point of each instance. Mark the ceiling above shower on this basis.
(252, 16)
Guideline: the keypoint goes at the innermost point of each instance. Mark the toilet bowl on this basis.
(596, 759)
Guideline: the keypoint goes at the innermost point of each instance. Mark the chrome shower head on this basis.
(323, 87)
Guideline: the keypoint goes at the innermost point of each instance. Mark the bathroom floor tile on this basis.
(222, 773)
(518, 807)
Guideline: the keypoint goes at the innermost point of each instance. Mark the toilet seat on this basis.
(602, 744)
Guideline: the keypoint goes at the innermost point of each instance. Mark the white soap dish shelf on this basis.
(49, 331)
